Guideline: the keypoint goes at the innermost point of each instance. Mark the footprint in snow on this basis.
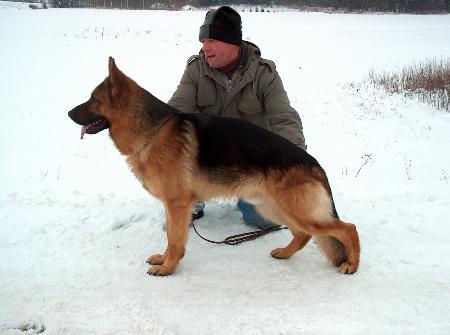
(27, 327)
(124, 223)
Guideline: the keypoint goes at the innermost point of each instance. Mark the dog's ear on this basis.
(116, 78)
(112, 66)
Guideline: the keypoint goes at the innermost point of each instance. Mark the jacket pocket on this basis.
(206, 95)
(249, 103)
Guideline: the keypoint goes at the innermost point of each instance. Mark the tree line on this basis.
(396, 6)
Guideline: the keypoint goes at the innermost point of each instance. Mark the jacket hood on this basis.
(251, 47)
(249, 51)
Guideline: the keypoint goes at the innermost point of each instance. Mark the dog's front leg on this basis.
(178, 216)
(158, 259)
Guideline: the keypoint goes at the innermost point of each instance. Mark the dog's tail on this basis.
(332, 248)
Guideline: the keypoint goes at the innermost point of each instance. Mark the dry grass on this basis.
(428, 80)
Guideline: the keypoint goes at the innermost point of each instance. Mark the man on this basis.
(229, 78)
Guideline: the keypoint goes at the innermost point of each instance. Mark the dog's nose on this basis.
(71, 114)
(74, 114)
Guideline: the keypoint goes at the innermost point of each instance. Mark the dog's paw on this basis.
(279, 253)
(348, 268)
(155, 259)
(159, 270)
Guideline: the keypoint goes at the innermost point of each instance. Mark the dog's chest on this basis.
(147, 172)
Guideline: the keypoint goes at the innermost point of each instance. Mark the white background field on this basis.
(76, 227)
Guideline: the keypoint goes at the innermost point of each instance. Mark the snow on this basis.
(76, 227)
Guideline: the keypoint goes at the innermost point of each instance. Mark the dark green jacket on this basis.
(255, 94)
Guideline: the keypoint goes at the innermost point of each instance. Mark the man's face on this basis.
(219, 54)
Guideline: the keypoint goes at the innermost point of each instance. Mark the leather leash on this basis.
(240, 238)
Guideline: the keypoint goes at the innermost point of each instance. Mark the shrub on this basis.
(428, 80)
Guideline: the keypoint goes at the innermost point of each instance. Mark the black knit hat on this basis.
(223, 24)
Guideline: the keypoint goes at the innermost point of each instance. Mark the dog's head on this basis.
(103, 107)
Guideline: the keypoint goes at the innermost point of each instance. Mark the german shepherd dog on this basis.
(183, 158)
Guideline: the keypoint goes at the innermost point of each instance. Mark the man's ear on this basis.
(116, 78)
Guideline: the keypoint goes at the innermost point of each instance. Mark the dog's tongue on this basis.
(83, 131)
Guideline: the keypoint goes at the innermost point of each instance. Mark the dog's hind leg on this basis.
(338, 240)
(307, 207)
(298, 242)
(178, 215)
(269, 210)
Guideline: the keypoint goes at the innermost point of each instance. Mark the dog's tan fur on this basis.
(164, 159)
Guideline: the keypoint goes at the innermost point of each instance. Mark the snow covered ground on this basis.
(76, 227)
